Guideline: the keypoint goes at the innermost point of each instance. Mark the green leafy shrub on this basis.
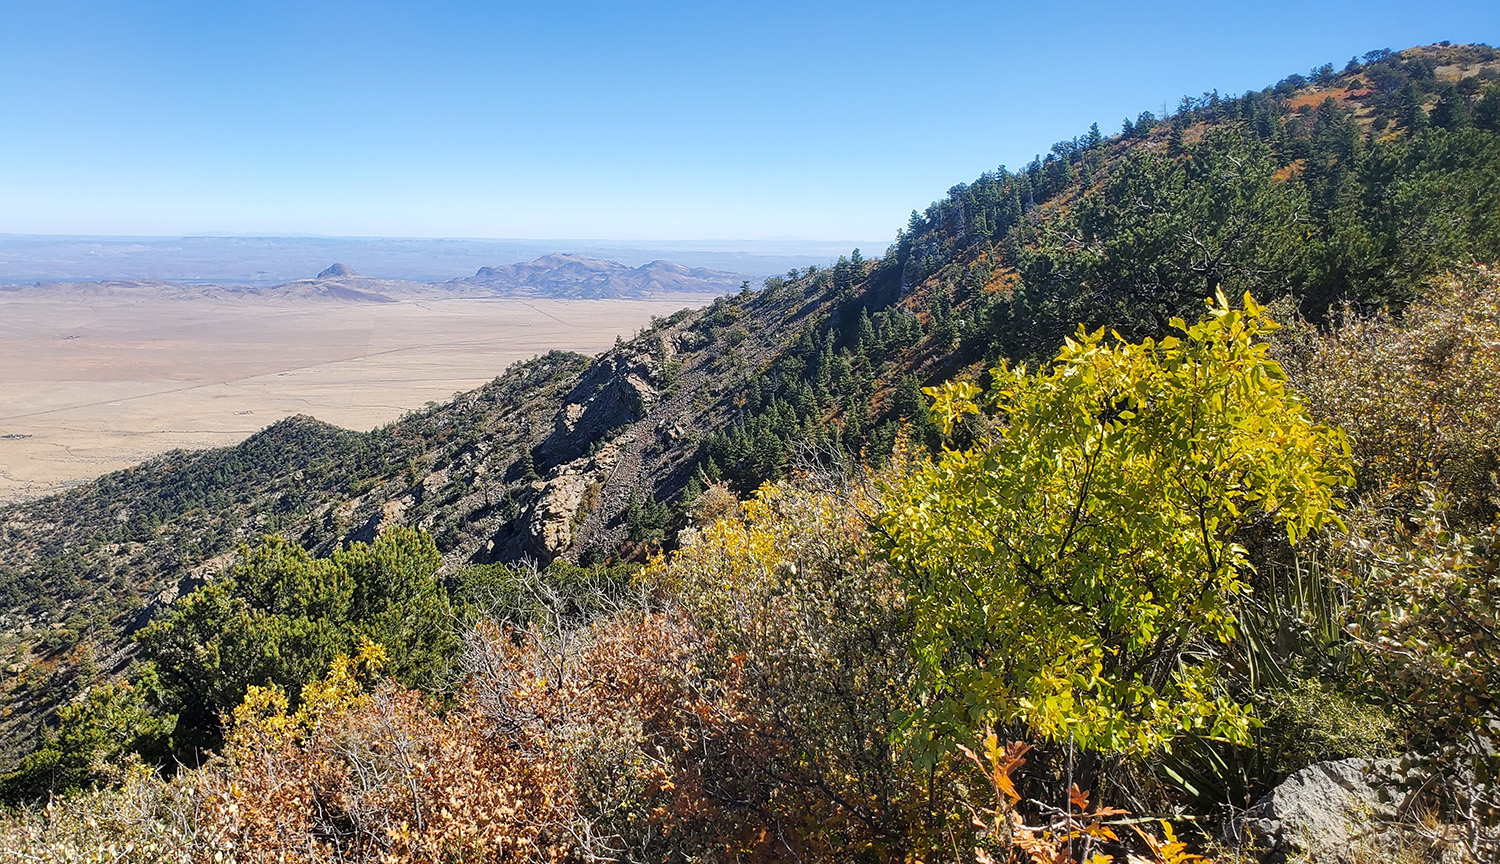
(1061, 566)
(97, 739)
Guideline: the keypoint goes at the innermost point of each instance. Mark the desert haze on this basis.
(94, 383)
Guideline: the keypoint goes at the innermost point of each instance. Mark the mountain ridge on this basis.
(562, 456)
(568, 275)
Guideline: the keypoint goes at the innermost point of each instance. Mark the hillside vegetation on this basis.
(958, 553)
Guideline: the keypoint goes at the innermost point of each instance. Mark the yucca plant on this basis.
(1291, 661)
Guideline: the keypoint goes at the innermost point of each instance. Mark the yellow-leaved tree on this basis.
(1064, 566)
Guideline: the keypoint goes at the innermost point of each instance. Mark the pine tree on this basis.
(864, 334)
(526, 467)
(910, 406)
(1451, 112)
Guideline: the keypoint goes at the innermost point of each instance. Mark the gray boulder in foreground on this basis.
(1325, 812)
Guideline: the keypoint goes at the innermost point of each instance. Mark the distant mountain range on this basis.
(556, 276)
(576, 276)
(263, 262)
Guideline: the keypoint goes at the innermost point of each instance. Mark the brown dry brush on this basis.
(1419, 395)
(637, 756)
(630, 755)
(743, 712)
(527, 767)
(390, 781)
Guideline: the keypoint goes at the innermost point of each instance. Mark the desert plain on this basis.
(94, 383)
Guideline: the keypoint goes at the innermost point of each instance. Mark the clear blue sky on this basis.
(602, 119)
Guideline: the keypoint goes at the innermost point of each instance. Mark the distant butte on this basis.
(336, 271)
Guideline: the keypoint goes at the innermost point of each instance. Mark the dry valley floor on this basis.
(89, 385)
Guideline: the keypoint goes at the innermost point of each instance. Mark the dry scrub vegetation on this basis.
(844, 667)
(733, 706)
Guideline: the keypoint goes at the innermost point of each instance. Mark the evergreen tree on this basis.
(910, 406)
(646, 519)
(1486, 113)
(864, 334)
(526, 467)
(281, 616)
(1451, 111)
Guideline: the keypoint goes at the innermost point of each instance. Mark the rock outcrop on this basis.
(616, 391)
(564, 500)
(1327, 812)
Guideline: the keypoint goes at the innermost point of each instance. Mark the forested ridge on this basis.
(956, 553)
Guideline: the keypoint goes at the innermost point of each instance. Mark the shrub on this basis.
(281, 616)
(528, 767)
(1429, 600)
(807, 649)
(99, 738)
(1062, 565)
(1418, 396)
(145, 820)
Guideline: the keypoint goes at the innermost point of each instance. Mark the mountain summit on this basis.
(336, 271)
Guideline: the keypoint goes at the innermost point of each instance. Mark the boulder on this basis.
(1327, 812)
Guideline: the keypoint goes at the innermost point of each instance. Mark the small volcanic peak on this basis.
(336, 271)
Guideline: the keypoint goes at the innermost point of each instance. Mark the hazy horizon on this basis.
(265, 259)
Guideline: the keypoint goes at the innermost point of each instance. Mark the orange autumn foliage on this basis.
(512, 772)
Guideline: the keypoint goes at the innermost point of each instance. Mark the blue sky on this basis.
(630, 121)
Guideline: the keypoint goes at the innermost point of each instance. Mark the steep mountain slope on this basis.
(1348, 186)
(1342, 187)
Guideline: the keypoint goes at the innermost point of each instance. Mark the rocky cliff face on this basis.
(627, 428)
(617, 391)
(565, 500)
